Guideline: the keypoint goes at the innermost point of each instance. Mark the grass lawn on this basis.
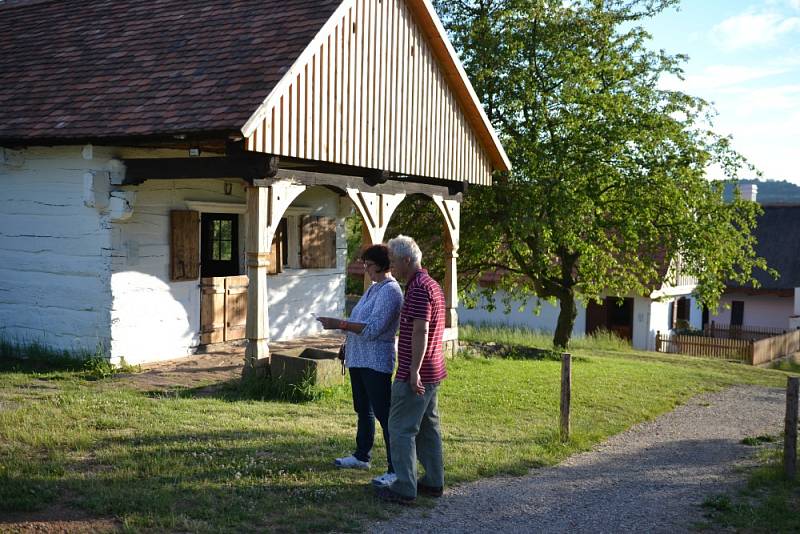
(768, 503)
(178, 462)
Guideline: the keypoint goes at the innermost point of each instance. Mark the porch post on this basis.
(257, 326)
(451, 285)
(451, 211)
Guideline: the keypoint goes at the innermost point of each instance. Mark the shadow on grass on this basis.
(200, 481)
(284, 481)
(249, 389)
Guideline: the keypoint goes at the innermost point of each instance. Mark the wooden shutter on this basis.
(184, 245)
(235, 307)
(212, 310)
(318, 245)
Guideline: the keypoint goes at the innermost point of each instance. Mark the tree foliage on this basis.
(609, 169)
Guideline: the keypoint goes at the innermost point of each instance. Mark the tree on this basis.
(609, 179)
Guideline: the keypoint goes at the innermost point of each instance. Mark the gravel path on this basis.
(650, 478)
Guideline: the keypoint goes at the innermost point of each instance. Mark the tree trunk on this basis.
(566, 319)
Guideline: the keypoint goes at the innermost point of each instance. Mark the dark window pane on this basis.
(215, 230)
(215, 250)
(226, 230)
(737, 313)
(225, 250)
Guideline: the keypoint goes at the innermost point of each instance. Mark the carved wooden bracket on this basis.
(375, 209)
(451, 211)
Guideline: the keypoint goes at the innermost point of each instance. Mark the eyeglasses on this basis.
(367, 264)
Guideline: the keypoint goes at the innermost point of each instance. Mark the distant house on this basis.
(776, 303)
(637, 318)
(175, 174)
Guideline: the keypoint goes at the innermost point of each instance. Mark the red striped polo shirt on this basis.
(424, 300)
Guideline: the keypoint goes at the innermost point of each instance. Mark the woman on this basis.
(370, 356)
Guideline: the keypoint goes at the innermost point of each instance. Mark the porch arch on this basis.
(450, 211)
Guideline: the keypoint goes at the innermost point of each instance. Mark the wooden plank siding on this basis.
(371, 92)
(773, 348)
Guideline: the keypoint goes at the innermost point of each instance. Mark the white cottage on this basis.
(774, 306)
(636, 318)
(176, 174)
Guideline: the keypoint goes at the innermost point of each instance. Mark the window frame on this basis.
(210, 267)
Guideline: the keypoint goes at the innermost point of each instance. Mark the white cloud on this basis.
(715, 77)
(753, 29)
(769, 145)
(779, 99)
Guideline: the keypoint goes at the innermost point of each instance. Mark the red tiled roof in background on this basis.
(93, 69)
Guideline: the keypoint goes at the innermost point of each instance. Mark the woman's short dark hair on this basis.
(377, 254)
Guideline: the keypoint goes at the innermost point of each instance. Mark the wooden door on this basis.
(212, 310)
(223, 308)
(596, 317)
(620, 316)
(235, 307)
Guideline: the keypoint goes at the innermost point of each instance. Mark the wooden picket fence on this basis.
(747, 351)
(732, 331)
(726, 349)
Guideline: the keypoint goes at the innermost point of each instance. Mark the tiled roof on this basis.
(778, 235)
(93, 69)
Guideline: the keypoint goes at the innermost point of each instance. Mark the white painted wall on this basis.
(660, 321)
(642, 314)
(653, 316)
(544, 321)
(154, 318)
(796, 310)
(794, 320)
(295, 294)
(72, 279)
(696, 318)
(55, 252)
(759, 310)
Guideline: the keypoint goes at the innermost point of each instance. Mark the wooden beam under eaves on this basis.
(255, 167)
(249, 167)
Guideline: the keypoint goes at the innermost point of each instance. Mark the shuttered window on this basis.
(219, 250)
(318, 242)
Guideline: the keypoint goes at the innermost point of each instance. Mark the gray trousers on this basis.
(414, 433)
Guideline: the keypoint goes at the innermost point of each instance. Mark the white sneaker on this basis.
(351, 462)
(386, 479)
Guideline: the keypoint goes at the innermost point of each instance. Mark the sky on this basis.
(744, 57)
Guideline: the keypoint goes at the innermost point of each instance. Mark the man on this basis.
(414, 416)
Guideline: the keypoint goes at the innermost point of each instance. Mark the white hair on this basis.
(404, 247)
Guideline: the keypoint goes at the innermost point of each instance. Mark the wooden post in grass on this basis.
(566, 393)
(790, 430)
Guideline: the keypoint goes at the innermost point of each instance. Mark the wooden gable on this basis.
(380, 87)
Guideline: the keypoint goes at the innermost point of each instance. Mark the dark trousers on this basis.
(372, 394)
